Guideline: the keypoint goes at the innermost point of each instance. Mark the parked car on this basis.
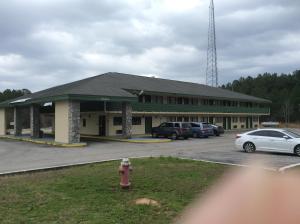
(201, 129)
(218, 130)
(173, 130)
(275, 140)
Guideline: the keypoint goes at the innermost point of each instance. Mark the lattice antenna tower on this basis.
(212, 63)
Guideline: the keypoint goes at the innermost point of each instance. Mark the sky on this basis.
(44, 43)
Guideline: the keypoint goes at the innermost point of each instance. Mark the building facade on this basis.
(119, 104)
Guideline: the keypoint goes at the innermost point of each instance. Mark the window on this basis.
(186, 119)
(294, 135)
(218, 120)
(171, 100)
(179, 100)
(159, 99)
(163, 125)
(194, 101)
(147, 99)
(141, 99)
(169, 125)
(84, 122)
(275, 134)
(117, 121)
(186, 100)
(172, 119)
(259, 133)
(194, 119)
(186, 125)
(194, 125)
(255, 119)
(136, 120)
(235, 120)
(242, 119)
(179, 119)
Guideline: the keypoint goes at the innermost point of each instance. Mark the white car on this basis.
(273, 140)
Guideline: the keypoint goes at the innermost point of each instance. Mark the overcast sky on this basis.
(44, 43)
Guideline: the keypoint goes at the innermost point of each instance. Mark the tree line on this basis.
(11, 94)
(283, 90)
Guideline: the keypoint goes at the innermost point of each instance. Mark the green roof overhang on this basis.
(68, 97)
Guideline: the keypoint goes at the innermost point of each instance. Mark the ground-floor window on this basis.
(136, 121)
(235, 119)
(242, 119)
(219, 120)
(171, 119)
(194, 119)
(117, 121)
(84, 122)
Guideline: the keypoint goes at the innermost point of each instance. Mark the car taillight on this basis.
(238, 136)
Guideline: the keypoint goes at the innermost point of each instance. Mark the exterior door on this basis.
(148, 125)
(247, 123)
(102, 126)
(211, 120)
(251, 122)
(229, 123)
(224, 123)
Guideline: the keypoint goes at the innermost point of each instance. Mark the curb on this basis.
(127, 140)
(49, 168)
(41, 142)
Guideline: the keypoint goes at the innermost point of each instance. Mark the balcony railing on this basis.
(151, 107)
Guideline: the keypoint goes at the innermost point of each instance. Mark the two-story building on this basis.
(121, 104)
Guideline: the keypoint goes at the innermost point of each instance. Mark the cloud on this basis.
(50, 42)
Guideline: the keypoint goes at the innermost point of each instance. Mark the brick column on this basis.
(74, 122)
(2, 121)
(127, 120)
(35, 121)
(17, 121)
(67, 121)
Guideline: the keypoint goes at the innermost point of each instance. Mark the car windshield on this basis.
(292, 134)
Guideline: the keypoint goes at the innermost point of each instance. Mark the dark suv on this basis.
(173, 130)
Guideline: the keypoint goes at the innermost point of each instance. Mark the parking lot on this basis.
(16, 156)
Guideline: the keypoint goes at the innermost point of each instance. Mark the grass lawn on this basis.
(91, 193)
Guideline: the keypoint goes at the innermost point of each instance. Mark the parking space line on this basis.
(229, 164)
(282, 169)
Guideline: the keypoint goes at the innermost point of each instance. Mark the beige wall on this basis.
(92, 120)
(92, 124)
(62, 121)
(136, 129)
(2, 121)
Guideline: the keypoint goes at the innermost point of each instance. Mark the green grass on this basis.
(91, 193)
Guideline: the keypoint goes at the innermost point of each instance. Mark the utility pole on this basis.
(212, 64)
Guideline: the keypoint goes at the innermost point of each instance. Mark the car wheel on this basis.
(174, 136)
(249, 147)
(195, 135)
(297, 150)
(154, 135)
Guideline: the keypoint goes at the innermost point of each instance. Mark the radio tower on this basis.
(212, 65)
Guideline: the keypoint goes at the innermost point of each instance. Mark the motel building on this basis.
(115, 104)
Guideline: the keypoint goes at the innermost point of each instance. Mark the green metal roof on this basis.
(121, 87)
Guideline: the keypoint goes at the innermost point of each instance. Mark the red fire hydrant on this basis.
(124, 170)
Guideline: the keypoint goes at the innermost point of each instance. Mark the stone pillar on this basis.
(2, 121)
(67, 122)
(35, 121)
(126, 119)
(17, 121)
